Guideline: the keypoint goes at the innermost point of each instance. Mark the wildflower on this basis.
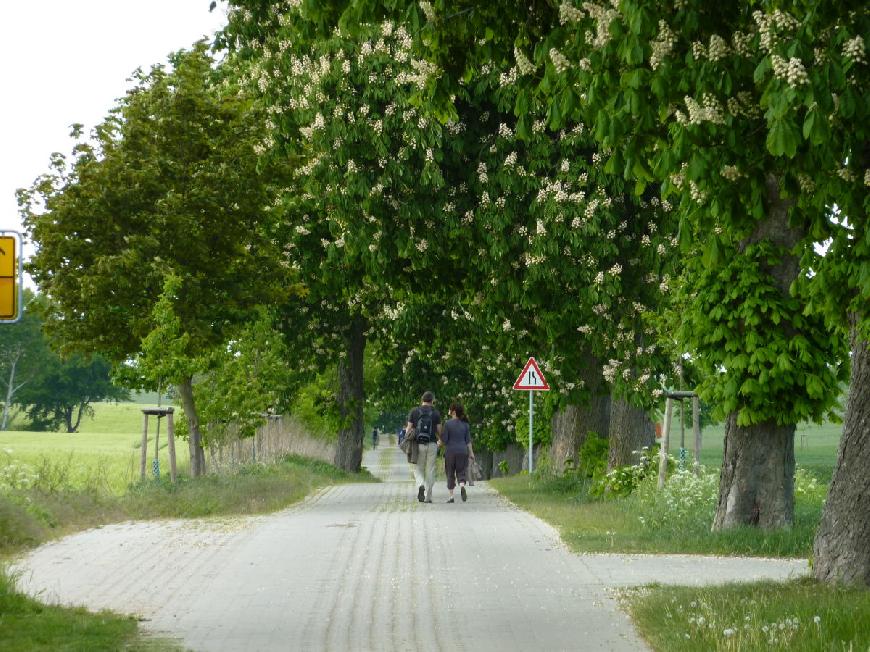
(728, 633)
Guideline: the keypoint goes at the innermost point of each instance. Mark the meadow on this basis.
(815, 446)
(106, 450)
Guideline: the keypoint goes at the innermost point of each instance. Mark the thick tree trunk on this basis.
(841, 552)
(570, 427)
(630, 430)
(484, 461)
(351, 398)
(513, 456)
(197, 454)
(756, 483)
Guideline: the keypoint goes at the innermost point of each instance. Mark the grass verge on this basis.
(48, 508)
(675, 520)
(28, 626)
(797, 616)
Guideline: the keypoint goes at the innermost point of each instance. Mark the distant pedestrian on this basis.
(375, 438)
(426, 422)
(458, 450)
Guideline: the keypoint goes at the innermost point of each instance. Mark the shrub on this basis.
(623, 480)
(593, 456)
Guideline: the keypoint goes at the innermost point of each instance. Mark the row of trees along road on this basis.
(456, 185)
(749, 121)
(155, 247)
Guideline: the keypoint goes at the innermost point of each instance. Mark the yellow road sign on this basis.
(9, 278)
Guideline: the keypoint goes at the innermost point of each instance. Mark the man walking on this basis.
(426, 422)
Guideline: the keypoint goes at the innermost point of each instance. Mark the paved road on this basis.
(366, 567)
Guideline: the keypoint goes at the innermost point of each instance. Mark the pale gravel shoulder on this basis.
(366, 567)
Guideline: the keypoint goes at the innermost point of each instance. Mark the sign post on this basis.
(529, 380)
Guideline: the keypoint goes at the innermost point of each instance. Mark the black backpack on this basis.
(425, 427)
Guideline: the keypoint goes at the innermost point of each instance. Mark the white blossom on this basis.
(560, 61)
(854, 49)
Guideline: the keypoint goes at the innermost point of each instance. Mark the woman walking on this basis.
(457, 450)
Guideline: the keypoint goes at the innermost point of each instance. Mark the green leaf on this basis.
(761, 70)
(783, 138)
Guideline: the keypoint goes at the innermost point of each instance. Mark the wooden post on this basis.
(696, 428)
(666, 436)
(144, 460)
(170, 434)
(682, 424)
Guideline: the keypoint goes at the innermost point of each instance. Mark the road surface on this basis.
(366, 567)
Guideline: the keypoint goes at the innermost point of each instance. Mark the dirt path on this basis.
(366, 567)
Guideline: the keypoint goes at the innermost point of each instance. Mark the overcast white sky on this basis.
(66, 61)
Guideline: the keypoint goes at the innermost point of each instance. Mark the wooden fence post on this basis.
(696, 427)
(663, 452)
(144, 460)
(170, 432)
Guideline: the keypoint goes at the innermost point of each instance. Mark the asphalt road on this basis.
(367, 567)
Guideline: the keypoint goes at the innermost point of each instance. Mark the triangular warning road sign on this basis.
(531, 377)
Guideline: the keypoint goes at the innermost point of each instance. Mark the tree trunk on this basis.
(197, 454)
(841, 551)
(483, 458)
(351, 398)
(67, 418)
(513, 456)
(570, 427)
(10, 384)
(630, 430)
(756, 484)
(75, 427)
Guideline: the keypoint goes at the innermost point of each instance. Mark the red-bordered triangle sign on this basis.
(532, 378)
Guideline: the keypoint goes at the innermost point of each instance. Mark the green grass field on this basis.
(105, 451)
(815, 446)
